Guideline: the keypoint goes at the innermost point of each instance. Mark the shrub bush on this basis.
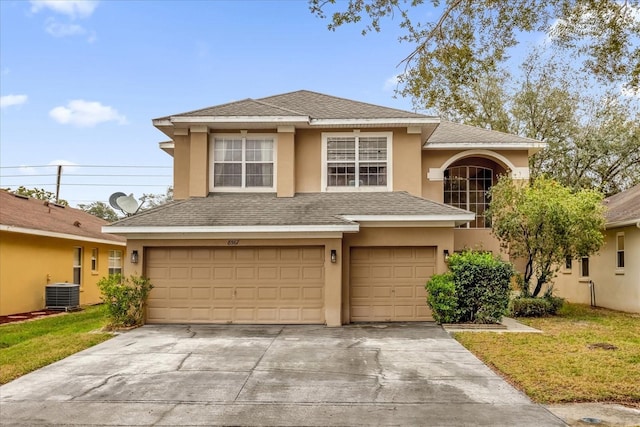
(530, 307)
(481, 288)
(441, 297)
(125, 299)
(536, 307)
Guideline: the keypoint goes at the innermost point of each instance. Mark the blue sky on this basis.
(81, 80)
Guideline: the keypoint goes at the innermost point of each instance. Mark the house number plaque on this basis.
(233, 242)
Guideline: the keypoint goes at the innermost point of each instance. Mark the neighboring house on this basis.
(43, 243)
(307, 208)
(613, 273)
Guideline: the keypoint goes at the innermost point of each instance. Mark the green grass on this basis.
(560, 365)
(27, 346)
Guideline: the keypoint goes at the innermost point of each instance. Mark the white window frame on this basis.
(357, 188)
(112, 261)
(485, 203)
(582, 275)
(620, 268)
(95, 255)
(78, 253)
(243, 188)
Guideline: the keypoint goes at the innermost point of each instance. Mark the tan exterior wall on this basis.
(29, 263)
(199, 163)
(181, 159)
(441, 238)
(308, 161)
(407, 174)
(618, 289)
(285, 175)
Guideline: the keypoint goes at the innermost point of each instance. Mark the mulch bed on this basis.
(21, 317)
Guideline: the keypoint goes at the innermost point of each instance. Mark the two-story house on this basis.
(308, 208)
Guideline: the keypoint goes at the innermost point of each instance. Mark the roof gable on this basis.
(22, 214)
(448, 134)
(302, 103)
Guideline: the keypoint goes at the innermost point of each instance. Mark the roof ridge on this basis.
(344, 99)
(259, 101)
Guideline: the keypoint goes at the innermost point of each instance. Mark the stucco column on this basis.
(333, 283)
(285, 187)
(181, 164)
(129, 268)
(199, 162)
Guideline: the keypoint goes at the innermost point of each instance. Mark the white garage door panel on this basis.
(387, 284)
(239, 285)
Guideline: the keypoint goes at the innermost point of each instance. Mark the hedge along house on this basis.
(42, 243)
(613, 275)
(308, 208)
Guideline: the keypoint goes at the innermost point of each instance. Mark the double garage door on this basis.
(236, 285)
(283, 284)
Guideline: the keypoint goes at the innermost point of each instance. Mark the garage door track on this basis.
(378, 374)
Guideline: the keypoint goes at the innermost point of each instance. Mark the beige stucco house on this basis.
(308, 208)
(610, 278)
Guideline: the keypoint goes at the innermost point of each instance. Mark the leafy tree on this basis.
(40, 194)
(101, 210)
(593, 139)
(467, 38)
(543, 223)
(154, 200)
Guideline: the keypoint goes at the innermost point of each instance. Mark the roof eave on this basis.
(239, 230)
(447, 220)
(532, 147)
(57, 235)
(623, 223)
(394, 122)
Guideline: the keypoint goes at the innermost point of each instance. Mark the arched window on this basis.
(467, 187)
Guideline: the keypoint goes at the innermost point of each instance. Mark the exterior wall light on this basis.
(334, 256)
(134, 257)
(446, 255)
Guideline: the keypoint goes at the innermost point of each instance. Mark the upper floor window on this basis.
(359, 161)
(243, 161)
(467, 187)
(620, 251)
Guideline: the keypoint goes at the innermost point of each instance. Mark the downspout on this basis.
(638, 224)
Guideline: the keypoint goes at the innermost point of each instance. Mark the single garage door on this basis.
(387, 284)
(236, 285)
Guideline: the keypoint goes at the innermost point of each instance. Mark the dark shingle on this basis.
(255, 209)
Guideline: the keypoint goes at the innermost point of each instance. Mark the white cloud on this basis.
(58, 29)
(392, 82)
(71, 8)
(10, 100)
(86, 114)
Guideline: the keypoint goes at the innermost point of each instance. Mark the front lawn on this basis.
(27, 346)
(584, 355)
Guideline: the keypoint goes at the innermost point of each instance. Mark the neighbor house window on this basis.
(356, 161)
(584, 267)
(77, 266)
(467, 187)
(568, 262)
(115, 262)
(243, 161)
(620, 251)
(94, 260)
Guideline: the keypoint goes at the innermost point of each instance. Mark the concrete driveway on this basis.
(382, 374)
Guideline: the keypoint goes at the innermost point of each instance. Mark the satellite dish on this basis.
(127, 204)
(113, 200)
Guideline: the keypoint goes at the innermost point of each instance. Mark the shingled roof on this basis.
(450, 135)
(623, 208)
(32, 216)
(304, 209)
(301, 103)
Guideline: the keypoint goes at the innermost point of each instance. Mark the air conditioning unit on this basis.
(62, 296)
